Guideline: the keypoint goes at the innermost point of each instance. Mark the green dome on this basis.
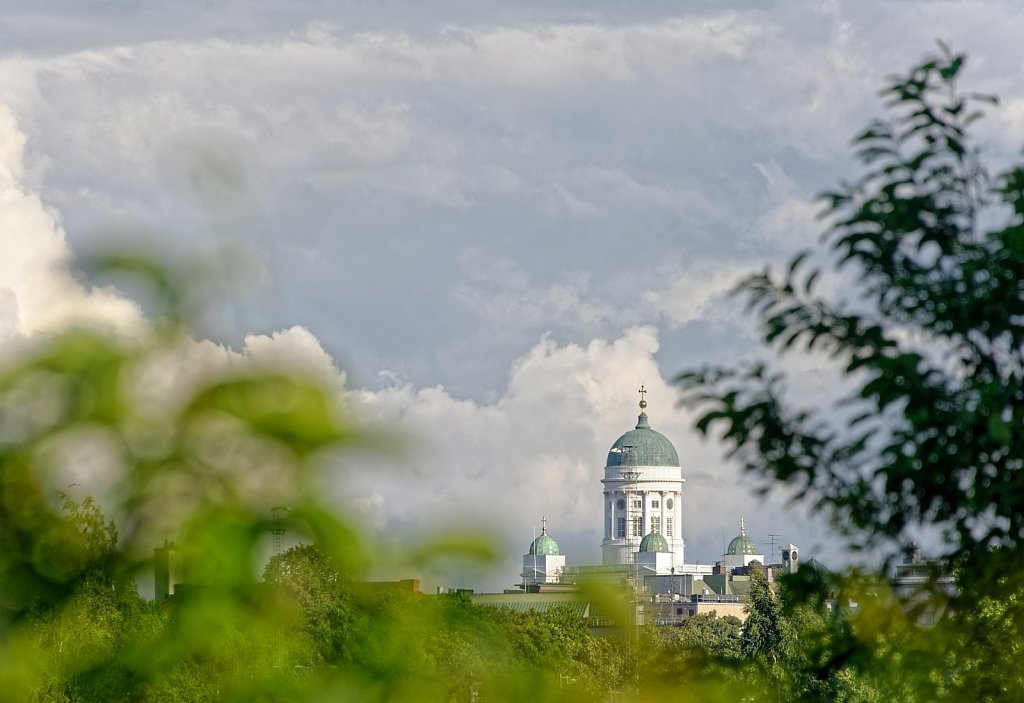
(643, 446)
(544, 545)
(653, 542)
(741, 544)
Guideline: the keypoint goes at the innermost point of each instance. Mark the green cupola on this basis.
(654, 542)
(642, 446)
(741, 544)
(544, 545)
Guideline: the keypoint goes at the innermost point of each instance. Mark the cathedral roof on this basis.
(544, 545)
(741, 544)
(653, 542)
(643, 446)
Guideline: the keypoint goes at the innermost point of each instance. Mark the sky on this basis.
(488, 222)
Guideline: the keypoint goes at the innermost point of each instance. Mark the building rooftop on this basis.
(642, 446)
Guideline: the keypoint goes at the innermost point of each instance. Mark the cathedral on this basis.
(643, 542)
(643, 487)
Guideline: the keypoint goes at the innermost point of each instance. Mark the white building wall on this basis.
(653, 483)
(655, 563)
(542, 568)
(733, 561)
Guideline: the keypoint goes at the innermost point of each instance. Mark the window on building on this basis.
(655, 523)
(668, 527)
(638, 504)
(620, 528)
(655, 504)
(621, 504)
(638, 526)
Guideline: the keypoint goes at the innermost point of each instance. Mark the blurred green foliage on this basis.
(203, 458)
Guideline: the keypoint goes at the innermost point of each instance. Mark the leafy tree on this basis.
(702, 655)
(87, 636)
(926, 327)
(557, 645)
(770, 641)
(306, 576)
(763, 629)
(710, 635)
(930, 336)
(97, 532)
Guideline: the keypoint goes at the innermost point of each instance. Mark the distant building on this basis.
(790, 558)
(167, 567)
(742, 550)
(925, 584)
(643, 546)
(542, 563)
(643, 487)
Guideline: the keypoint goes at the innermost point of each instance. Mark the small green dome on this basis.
(544, 545)
(741, 544)
(653, 542)
(643, 446)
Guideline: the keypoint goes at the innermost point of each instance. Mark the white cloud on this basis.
(503, 293)
(539, 450)
(362, 107)
(38, 292)
(691, 291)
(789, 216)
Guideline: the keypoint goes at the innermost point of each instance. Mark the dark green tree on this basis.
(89, 634)
(308, 578)
(925, 324)
(701, 655)
(763, 628)
(557, 646)
(710, 635)
(929, 334)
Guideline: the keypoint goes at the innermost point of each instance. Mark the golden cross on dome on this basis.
(643, 402)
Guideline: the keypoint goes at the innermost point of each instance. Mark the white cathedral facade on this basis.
(643, 490)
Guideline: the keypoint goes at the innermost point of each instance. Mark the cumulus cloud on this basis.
(789, 218)
(539, 450)
(40, 295)
(38, 292)
(595, 156)
(690, 292)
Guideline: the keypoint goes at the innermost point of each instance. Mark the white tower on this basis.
(742, 550)
(790, 559)
(643, 487)
(543, 563)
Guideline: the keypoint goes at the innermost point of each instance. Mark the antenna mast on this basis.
(277, 528)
